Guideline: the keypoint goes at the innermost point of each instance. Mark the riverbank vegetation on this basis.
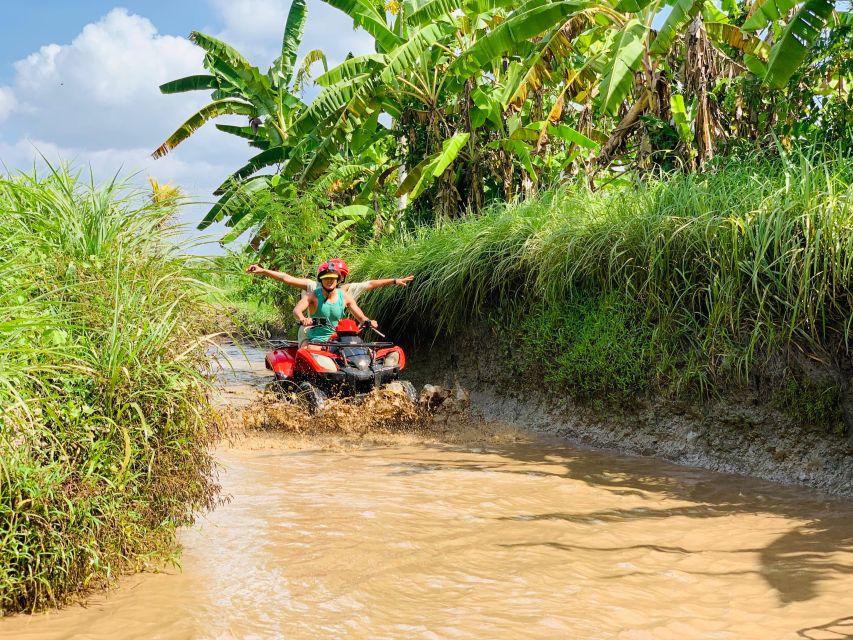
(652, 197)
(105, 422)
(688, 282)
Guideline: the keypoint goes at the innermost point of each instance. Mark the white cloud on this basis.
(8, 102)
(102, 89)
(95, 102)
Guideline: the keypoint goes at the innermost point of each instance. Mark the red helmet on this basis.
(341, 266)
(328, 267)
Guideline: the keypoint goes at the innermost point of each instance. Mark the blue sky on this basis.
(78, 82)
(45, 21)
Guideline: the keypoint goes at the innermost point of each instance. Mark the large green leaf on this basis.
(516, 31)
(475, 7)
(803, 29)
(249, 84)
(221, 207)
(352, 211)
(679, 117)
(365, 15)
(266, 158)
(565, 132)
(190, 83)
(683, 11)
(244, 132)
(195, 121)
(624, 56)
(520, 150)
(351, 68)
(290, 42)
(432, 11)
(249, 219)
(766, 11)
(431, 167)
(734, 37)
(404, 56)
(330, 102)
(219, 49)
(631, 6)
(755, 65)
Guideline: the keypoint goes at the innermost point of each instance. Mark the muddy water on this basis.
(488, 539)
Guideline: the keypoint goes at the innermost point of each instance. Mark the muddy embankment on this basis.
(740, 432)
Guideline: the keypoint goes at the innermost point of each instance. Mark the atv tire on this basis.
(409, 388)
(284, 390)
(313, 398)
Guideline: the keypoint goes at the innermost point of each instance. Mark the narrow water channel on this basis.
(489, 540)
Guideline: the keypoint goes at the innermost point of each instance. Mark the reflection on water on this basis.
(503, 540)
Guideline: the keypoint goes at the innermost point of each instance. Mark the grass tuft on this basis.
(104, 429)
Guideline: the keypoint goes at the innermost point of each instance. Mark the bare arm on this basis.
(384, 282)
(281, 276)
(356, 310)
(301, 307)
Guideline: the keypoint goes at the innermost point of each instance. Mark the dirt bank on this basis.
(738, 433)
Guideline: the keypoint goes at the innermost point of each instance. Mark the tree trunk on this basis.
(622, 131)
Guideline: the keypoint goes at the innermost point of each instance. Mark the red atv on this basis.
(343, 366)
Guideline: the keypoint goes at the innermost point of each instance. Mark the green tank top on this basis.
(332, 311)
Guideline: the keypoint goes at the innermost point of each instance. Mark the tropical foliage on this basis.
(715, 272)
(469, 101)
(104, 427)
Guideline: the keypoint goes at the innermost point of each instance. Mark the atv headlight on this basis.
(325, 362)
(392, 359)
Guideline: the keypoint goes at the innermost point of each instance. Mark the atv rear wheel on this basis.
(313, 397)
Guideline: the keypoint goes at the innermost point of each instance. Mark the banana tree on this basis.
(268, 100)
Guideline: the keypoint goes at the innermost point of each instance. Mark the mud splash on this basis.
(253, 417)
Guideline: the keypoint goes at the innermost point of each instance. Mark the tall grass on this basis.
(735, 262)
(104, 423)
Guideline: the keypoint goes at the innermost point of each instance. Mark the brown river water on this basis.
(489, 536)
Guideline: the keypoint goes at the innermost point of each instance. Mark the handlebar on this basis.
(324, 322)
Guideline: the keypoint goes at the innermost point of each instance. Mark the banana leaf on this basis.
(798, 36)
(197, 120)
(626, 52)
(190, 83)
(433, 166)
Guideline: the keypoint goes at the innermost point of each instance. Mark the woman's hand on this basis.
(307, 322)
(254, 268)
(402, 282)
(374, 324)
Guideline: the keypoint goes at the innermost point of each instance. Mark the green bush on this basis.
(105, 426)
(729, 265)
(589, 348)
(814, 404)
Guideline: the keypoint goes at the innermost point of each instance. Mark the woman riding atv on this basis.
(355, 289)
(327, 301)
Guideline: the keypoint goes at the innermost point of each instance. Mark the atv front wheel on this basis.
(284, 390)
(409, 388)
(313, 397)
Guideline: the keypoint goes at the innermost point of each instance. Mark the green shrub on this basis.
(589, 348)
(810, 403)
(105, 426)
(731, 264)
